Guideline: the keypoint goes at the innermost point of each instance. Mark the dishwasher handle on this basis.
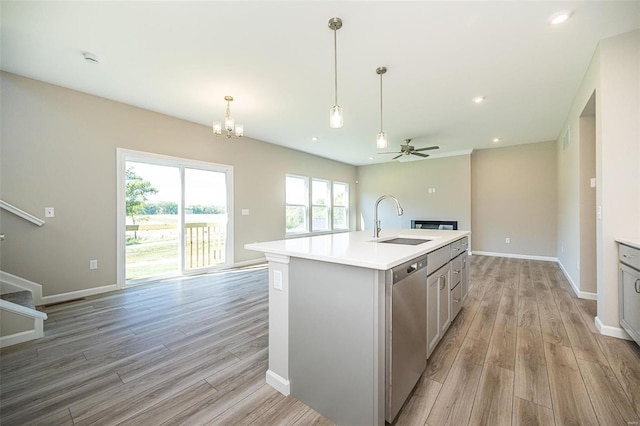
(406, 269)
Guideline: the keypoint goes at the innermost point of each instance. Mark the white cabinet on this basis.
(629, 290)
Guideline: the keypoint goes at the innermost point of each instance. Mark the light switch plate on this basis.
(245, 212)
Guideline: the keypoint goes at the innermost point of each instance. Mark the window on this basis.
(322, 206)
(340, 205)
(297, 200)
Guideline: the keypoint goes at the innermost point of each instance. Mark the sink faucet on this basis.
(376, 223)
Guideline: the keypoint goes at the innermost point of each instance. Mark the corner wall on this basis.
(513, 195)
(613, 76)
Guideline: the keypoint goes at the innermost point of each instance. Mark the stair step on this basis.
(23, 298)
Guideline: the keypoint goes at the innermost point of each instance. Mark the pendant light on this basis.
(335, 114)
(381, 140)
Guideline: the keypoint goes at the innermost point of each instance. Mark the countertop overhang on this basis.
(629, 241)
(360, 248)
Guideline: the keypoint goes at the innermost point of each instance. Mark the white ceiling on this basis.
(276, 58)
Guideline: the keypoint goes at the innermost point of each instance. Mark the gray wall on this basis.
(59, 150)
(613, 77)
(513, 194)
(409, 183)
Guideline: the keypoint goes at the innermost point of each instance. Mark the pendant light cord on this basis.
(335, 62)
(381, 127)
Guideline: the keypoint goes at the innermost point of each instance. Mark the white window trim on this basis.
(124, 155)
(308, 188)
(345, 206)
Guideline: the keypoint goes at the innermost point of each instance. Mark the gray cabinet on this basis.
(437, 306)
(629, 290)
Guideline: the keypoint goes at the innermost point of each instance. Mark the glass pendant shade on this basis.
(335, 117)
(381, 140)
(239, 130)
(229, 122)
(217, 128)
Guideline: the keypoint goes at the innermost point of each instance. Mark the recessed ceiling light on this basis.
(478, 99)
(496, 140)
(560, 17)
(370, 158)
(315, 138)
(91, 58)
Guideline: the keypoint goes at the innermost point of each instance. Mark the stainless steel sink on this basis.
(405, 241)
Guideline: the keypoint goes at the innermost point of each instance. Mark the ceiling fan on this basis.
(408, 149)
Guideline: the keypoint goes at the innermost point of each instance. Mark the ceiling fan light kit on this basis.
(230, 129)
(381, 140)
(336, 119)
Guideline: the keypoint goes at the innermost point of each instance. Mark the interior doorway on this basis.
(174, 217)
(588, 184)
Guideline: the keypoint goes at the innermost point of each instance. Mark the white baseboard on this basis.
(251, 262)
(576, 290)
(278, 383)
(515, 256)
(14, 339)
(63, 297)
(607, 330)
(16, 281)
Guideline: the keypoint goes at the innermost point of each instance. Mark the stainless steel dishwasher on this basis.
(406, 331)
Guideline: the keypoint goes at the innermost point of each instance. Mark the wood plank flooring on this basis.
(194, 351)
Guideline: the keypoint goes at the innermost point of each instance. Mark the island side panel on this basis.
(278, 373)
(336, 340)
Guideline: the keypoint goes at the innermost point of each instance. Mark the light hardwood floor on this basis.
(523, 351)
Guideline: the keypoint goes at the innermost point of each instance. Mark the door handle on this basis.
(441, 277)
(456, 272)
(635, 285)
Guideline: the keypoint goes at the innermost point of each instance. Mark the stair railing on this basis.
(21, 213)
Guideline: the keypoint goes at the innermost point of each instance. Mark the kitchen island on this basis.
(327, 324)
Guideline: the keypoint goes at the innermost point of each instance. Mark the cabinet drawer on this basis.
(436, 259)
(456, 271)
(456, 301)
(629, 255)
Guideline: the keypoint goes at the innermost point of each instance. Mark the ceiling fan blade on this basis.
(397, 156)
(419, 154)
(394, 152)
(429, 147)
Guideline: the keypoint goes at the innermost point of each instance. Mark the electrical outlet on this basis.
(277, 280)
(507, 240)
(93, 264)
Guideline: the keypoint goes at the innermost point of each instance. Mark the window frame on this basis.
(304, 206)
(335, 206)
(310, 205)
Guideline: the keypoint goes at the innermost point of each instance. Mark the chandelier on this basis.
(231, 129)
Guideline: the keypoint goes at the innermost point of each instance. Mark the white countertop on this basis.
(632, 242)
(358, 249)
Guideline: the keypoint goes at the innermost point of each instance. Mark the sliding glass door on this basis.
(205, 218)
(174, 217)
